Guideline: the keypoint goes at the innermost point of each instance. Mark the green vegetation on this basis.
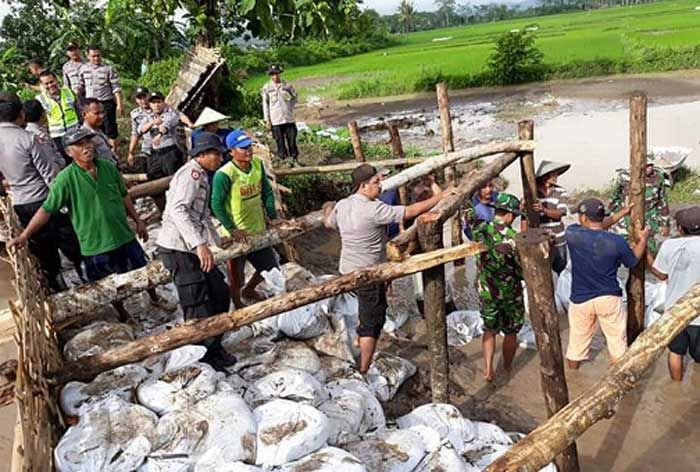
(641, 38)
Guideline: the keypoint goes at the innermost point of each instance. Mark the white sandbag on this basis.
(481, 455)
(232, 339)
(228, 467)
(389, 451)
(387, 373)
(174, 360)
(233, 383)
(442, 417)
(463, 326)
(562, 291)
(445, 459)
(430, 437)
(401, 303)
(78, 397)
(373, 415)
(344, 410)
(178, 389)
(305, 322)
(285, 354)
(288, 431)
(488, 433)
(328, 459)
(96, 338)
(338, 340)
(289, 384)
(113, 436)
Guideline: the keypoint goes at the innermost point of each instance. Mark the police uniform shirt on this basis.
(278, 103)
(43, 139)
(140, 116)
(171, 119)
(99, 81)
(71, 75)
(101, 143)
(187, 218)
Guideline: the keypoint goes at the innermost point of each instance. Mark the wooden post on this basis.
(533, 248)
(430, 237)
(638, 162)
(194, 331)
(356, 142)
(395, 139)
(599, 401)
(527, 171)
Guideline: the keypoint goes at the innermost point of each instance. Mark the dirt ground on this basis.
(8, 414)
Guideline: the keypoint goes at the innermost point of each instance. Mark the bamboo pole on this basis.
(356, 141)
(638, 162)
(430, 237)
(399, 247)
(526, 130)
(195, 331)
(533, 248)
(599, 401)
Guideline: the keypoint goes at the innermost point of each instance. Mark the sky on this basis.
(390, 6)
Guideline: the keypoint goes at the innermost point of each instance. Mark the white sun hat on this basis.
(209, 115)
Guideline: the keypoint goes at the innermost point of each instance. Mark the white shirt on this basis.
(680, 259)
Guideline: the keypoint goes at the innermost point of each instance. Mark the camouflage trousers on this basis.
(622, 228)
(505, 315)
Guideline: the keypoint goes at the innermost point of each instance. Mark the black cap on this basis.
(206, 142)
(689, 219)
(593, 208)
(274, 69)
(362, 174)
(140, 91)
(76, 135)
(156, 96)
(72, 45)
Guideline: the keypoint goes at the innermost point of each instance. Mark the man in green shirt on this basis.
(241, 198)
(98, 203)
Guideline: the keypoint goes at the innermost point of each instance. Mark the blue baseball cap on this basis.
(238, 139)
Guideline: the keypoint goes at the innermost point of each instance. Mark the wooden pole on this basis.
(599, 401)
(526, 130)
(533, 248)
(346, 166)
(135, 178)
(195, 331)
(452, 199)
(151, 188)
(638, 162)
(395, 139)
(430, 237)
(356, 141)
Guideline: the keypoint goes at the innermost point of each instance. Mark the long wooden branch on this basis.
(71, 305)
(399, 247)
(347, 166)
(462, 156)
(599, 401)
(195, 331)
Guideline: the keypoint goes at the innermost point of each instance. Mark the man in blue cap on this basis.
(242, 198)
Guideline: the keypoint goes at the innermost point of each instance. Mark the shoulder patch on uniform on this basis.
(196, 174)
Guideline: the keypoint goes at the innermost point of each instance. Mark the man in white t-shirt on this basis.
(361, 220)
(678, 261)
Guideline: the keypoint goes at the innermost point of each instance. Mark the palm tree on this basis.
(407, 16)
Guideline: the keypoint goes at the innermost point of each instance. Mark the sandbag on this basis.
(387, 373)
(328, 459)
(289, 384)
(338, 340)
(463, 326)
(389, 451)
(481, 455)
(286, 354)
(112, 436)
(178, 389)
(373, 415)
(344, 409)
(288, 431)
(233, 383)
(526, 336)
(96, 338)
(445, 459)
(488, 433)
(443, 418)
(402, 304)
(229, 467)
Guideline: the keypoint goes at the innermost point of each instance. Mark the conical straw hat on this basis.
(547, 167)
(209, 115)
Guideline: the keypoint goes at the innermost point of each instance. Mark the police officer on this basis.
(93, 118)
(161, 126)
(279, 99)
(71, 69)
(61, 109)
(185, 236)
(139, 116)
(100, 81)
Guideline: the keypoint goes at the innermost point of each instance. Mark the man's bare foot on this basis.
(489, 376)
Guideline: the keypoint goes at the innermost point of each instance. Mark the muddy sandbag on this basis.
(96, 338)
(229, 467)
(345, 410)
(482, 455)
(174, 360)
(282, 355)
(232, 339)
(113, 436)
(178, 389)
(288, 431)
(328, 459)
(389, 451)
(373, 415)
(289, 384)
(387, 373)
(445, 459)
(463, 326)
(443, 418)
(401, 302)
(488, 433)
(217, 430)
(338, 340)
(233, 383)
(78, 397)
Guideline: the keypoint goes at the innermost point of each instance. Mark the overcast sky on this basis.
(390, 6)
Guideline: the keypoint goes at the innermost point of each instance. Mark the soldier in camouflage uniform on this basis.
(656, 203)
(500, 282)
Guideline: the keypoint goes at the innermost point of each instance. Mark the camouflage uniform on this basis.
(656, 204)
(500, 274)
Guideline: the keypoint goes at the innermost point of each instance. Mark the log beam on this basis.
(526, 130)
(399, 247)
(638, 162)
(533, 248)
(195, 331)
(346, 166)
(356, 141)
(599, 401)
(395, 140)
(151, 188)
(430, 237)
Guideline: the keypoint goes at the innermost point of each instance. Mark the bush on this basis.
(311, 191)
(161, 74)
(516, 59)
